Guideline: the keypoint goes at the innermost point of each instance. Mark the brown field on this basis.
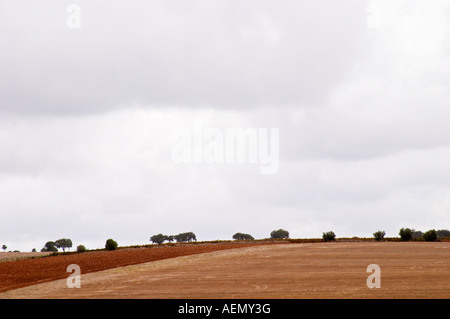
(15, 255)
(25, 272)
(306, 270)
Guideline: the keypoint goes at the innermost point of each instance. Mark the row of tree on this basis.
(64, 243)
(282, 234)
(187, 237)
(406, 234)
(276, 234)
(180, 238)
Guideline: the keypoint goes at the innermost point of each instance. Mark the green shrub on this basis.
(379, 235)
(430, 235)
(329, 236)
(81, 249)
(406, 234)
(111, 244)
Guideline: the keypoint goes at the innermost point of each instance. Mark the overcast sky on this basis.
(358, 89)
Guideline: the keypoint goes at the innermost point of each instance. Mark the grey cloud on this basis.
(86, 118)
(236, 54)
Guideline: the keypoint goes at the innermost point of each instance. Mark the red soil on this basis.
(20, 273)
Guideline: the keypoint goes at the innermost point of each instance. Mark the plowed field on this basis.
(307, 270)
(20, 273)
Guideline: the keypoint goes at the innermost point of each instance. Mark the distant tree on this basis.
(49, 247)
(191, 236)
(430, 235)
(406, 234)
(158, 239)
(279, 234)
(178, 238)
(4, 247)
(81, 249)
(241, 236)
(328, 236)
(111, 244)
(379, 235)
(33, 250)
(170, 238)
(416, 234)
(442, 233)
(185, 237)
(63, 243)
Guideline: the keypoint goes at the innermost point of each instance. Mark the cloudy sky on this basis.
(92, 95)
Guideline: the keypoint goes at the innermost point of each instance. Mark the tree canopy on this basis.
(49, 247)
(241, 236)
(63, 243)
(279, 234)
(185, 237)
(159, 238)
